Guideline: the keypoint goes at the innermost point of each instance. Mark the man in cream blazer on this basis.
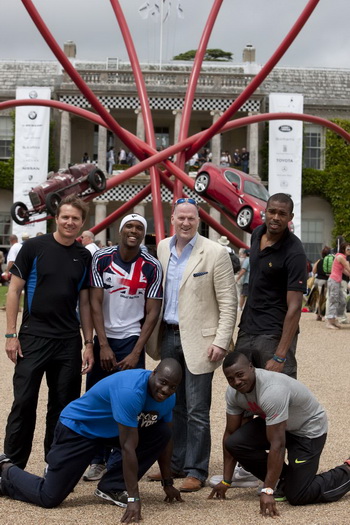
(195, 328)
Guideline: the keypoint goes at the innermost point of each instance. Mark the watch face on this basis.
(268, 491)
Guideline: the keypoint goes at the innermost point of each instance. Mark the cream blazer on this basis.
(207, 304)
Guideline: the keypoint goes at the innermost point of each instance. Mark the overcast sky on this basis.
(91, 24)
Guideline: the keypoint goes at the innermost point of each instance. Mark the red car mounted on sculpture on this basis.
(81, 179)
(239, 194)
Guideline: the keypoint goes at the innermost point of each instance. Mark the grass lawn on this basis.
(3, 292)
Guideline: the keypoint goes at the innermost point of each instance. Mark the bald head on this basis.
(171, 367)
(165, 379)
(87, 237)
(13, 239)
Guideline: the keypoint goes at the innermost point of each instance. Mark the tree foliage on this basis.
(217, 55)
(6, 174)
(333, 184)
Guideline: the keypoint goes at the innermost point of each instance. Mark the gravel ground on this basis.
(323, 357)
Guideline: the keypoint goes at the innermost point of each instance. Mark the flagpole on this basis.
(161, 34)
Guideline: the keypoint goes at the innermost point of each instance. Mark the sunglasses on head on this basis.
(183, 200)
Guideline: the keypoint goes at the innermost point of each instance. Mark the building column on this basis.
(215, 214)
(216, 140)
(65, 140)
(140, 128)
(140, 125)
(102, 148)
(253, 148)
(100, 215)
(140, 209)
(178, 116)
(177, 123)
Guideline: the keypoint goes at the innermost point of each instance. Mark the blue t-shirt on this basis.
(121, 398)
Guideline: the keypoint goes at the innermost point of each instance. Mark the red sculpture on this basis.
(186, 146)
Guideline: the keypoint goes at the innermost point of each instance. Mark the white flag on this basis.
(144, 10)
(166, 10)
(180, 11)
(155, 11)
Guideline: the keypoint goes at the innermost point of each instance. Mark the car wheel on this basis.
(19, 213)
(244, 218)
(202, 183)
(97, 180)
(51, 202)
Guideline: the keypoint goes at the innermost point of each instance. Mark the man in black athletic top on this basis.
(53, 270)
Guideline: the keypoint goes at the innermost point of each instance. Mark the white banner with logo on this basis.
(31, 153)
(285, 151)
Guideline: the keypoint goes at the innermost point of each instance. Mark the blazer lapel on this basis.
(193, 261)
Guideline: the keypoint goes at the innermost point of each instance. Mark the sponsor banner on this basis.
(31, 153)
(285, 151)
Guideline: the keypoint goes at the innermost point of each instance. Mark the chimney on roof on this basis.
(70, 49)
(249, 53)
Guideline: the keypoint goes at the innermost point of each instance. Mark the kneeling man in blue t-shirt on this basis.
(131, 411)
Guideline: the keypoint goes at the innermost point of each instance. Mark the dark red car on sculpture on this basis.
(80, 179)
(239, 194)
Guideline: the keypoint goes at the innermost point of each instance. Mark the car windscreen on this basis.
(256, 190)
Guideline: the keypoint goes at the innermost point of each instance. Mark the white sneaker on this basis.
(94, 472)
(241, 478)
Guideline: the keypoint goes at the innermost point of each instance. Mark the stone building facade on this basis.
(326, 94)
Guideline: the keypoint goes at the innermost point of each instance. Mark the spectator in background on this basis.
(2, 260)
(25, 236)
(320, 283)
(236, 159)
(15, 247)
(343, 319)
(336, 299)
(110, 160)
(122, 156)
(85, 158)
(193, 162)
(224, 159)
(241, 255)
(236, 265)
(87, 240)
(130, 159)
(245, 160)
(244, 275)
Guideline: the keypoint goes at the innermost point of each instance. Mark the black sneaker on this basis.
(118, 498)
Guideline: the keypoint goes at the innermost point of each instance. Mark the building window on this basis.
(314, 146)
(5, 229)
(6, 135)
(312, 238)
(162, 137)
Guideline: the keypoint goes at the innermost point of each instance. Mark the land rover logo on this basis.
(285, 128)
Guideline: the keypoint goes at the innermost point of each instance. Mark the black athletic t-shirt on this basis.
(273, 272)
(54, 276)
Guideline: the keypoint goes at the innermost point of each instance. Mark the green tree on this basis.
(217, 55)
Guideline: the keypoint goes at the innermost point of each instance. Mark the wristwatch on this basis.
(267, 490)
(167, 482)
